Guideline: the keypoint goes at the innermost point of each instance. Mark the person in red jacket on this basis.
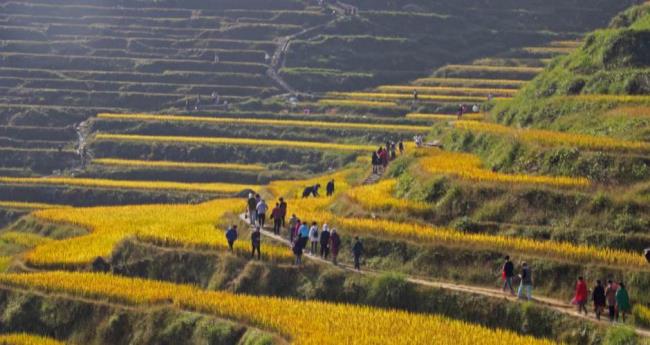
(276, 214)
(582, 295)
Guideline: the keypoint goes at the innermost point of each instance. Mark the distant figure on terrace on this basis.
(197, 104)
(313, 238)
(277, 219)
(375, 162)
(461, 110)
(261, 213)
(400, 145)
(475, 108)
(508, 273)
(325, 242)
(335, 245)
(231, 237)
(252, 208)
(216, 58)
(256, 243)
(215, 98)
(383, 157)
(623, 306)
(311, 190)
(415, 95)
(283, 211)
(330, 188)
(581, 296)
(599, 298)
(526, 283)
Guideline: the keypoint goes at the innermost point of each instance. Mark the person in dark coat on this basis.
(375, 162)
(330, 188)
(283, 211)
(598, 296)
(325, 242)
(508, 273)
(276, 215)
(231, 236)
(252, 209)
(297, 251)
(357, 251)
(256, 243)
(335, 245)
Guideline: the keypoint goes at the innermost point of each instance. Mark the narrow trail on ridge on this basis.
(279, 56)
(554, 304)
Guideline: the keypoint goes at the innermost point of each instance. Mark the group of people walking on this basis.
(384, 155)
(612, 296)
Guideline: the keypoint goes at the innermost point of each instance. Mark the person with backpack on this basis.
(297, 252)
(313, 238)
(303, 235)
(581, 295)
(335, 245)
(599, 298)
(256, 243)
(357, 251)
(277, 219)
(231, 237)
(526, 282)
(261, 213)
(507, 273)
(252, 209)
(325, 242)
(623, 306)
(610, 296)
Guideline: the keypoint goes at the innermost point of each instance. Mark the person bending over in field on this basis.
(311, 190)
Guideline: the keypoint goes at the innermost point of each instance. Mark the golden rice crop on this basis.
(356, 103)
(631, 112)
(549, 50)
(105, 183)
(470, 82)
(468, 166)
(265, 122)
(24, 239)
(4, 263)
(303, 322)
(447, 90)
(558, 250)
(237, 141)
(640, 99)
(556, 138)
(488, 68)
(566, 43)
(641, 315)
(28, 205)
(177, 225)
(379, 197)
(177, 165)
(27, 339)
(445, 117)
(403, 96)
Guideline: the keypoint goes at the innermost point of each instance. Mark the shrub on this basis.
(391, 290)
(621, 335)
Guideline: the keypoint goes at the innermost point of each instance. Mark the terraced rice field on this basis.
(291, 318)
(237, 141)
(218, 188)
(196, 226)
(556, 138)
(445, 117)
(401, 96)
(453, 91)
(265, 122)
(470, 82)
(176, 165)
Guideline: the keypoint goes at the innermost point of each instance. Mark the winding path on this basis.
(554, 304)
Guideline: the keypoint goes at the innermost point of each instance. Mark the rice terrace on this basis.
(260, 172)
